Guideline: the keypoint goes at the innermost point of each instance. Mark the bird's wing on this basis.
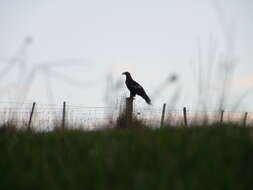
(135, 85)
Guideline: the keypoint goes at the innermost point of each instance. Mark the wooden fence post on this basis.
(31, 116)
(129, 111)
(162, 117)
(245, 119)
(221, 117)
(185, 117)
(63, 114)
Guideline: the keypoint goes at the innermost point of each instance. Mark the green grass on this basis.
(170, 158)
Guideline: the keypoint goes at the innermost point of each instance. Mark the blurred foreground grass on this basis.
(169, 158)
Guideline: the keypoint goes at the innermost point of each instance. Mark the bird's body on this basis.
(135, 88)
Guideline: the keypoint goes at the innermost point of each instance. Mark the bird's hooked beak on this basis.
(124, 73)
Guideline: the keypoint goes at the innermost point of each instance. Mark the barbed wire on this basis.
(46, 116)
(8, 104)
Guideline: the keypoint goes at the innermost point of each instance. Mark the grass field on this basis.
(170, 158)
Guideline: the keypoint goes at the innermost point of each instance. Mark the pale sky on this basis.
(150, 39)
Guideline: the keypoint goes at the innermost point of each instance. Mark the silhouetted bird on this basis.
(135, 88)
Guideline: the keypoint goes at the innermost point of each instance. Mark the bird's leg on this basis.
(132, 95)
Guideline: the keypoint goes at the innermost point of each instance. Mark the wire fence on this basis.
(48, 116)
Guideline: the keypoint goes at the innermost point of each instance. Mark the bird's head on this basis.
(126, 73)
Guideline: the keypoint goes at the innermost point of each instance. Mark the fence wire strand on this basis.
(48, 116)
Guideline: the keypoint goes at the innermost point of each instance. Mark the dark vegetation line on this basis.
(140, 158)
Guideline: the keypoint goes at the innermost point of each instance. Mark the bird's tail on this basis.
(147, 99)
